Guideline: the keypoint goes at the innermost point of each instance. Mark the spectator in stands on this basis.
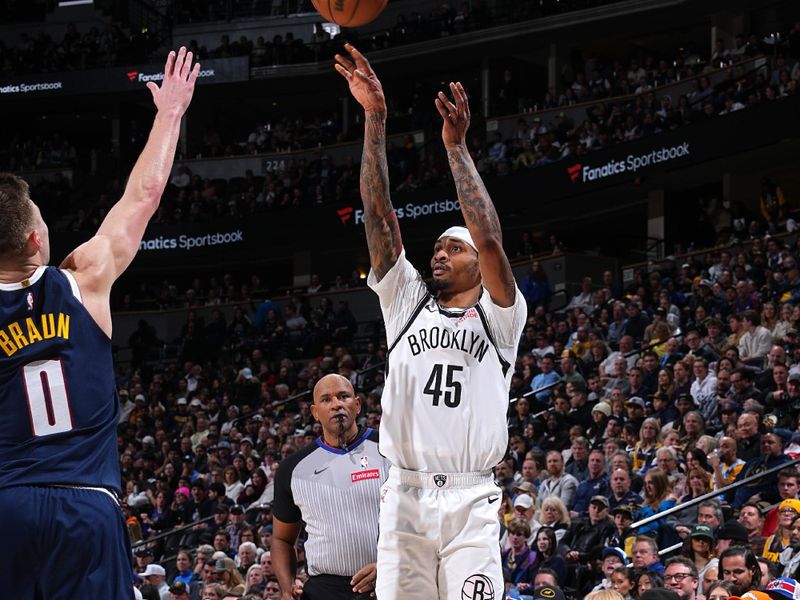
(595, 484)
(738, 565)
(548, 559)
(560, 484)
(645, 556)
(657, 498)
(750, 516)
(765, 488)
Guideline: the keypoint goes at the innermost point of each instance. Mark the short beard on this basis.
(440, 285)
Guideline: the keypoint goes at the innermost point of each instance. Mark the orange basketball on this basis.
(349, 13)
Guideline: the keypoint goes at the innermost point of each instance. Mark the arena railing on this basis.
(714, 494)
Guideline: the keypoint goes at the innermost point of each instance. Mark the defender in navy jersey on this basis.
(333, 486)
(59, 467)
(450, 354)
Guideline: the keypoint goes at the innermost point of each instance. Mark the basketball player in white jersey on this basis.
(451, 355)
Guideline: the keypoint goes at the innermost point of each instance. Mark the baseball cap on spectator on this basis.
(182, 401)
(732, 530)
(195, 402)
(625, 509)
(123, 392)
(525, 486)
(660, 594)
(153, 569)
(140, 398)
(614, 551)
(783, 588)
(199, 483)
(636, 401)
(143, 551)
(794, 376)
(702, 531)
(237, 509)
(602, 407)
(179, 588)
(523, 501)
(220, 566)
(149, 439)
(686, 398)
(257, 418)
(221, 508)
(615, 418)
(548, 592)
(246, 439)
(599, 500)
(705, 283)
(729, 406)
(188, 457)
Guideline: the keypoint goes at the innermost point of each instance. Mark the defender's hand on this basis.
(177, 86)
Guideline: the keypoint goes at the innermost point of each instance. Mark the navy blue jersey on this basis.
(57, 394)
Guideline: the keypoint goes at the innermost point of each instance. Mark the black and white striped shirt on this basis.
(336, 493)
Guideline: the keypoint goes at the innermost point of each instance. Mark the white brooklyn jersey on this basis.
(446, 394)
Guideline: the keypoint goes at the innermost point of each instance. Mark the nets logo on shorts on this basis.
(477, 587)
(439, 480)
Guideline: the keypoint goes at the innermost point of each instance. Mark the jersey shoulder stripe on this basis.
(505, 365)
(423, 301)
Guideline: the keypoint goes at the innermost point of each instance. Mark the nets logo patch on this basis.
(439, 480)
(365, 475)
(477, 587)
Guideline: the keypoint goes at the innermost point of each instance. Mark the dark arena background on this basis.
(643, 159)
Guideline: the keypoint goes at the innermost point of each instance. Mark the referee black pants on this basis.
(331, 587)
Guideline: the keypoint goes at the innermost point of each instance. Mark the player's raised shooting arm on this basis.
(125, 223)
(380, 221)
(476, 205)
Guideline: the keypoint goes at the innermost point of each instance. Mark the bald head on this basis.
(336, 407)
(332, 383)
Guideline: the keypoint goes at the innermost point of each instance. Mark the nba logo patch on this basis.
(439, 480)
(30, 301)
(364, 462)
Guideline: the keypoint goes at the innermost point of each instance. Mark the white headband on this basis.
(459, 233)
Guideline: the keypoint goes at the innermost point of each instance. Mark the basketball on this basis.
(349, 13)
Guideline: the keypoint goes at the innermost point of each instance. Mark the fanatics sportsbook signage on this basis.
(332, 228)
(117, 79)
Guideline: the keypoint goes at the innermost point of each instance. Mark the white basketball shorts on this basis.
(439, 537)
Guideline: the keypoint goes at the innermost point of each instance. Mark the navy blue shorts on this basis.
(63, 544)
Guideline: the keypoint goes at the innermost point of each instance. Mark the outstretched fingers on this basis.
(460, 96)
(345, 63)
(361, 60)
(446, 115)
(187, 66)
(194, 74)
(170, 64)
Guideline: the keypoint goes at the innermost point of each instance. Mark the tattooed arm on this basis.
(476, 205)
(380, 221)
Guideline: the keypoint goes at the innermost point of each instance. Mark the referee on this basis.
(333, 486)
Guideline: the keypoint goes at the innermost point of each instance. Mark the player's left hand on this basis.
(177, 86)
(364, 580)
(455, 116)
